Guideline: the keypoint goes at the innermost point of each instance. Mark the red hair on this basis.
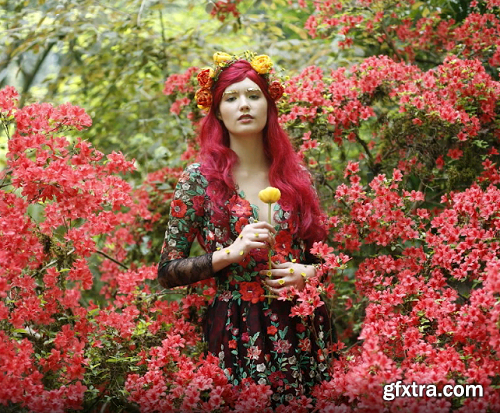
(286, 172)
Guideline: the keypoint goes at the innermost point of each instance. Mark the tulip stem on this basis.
(270, 222)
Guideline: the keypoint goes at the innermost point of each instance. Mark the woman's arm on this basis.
(185, 271)
(176, 268)
(187, 211)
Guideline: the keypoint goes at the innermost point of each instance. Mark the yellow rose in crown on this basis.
(262, 64)
(220, 58)
(270, 195)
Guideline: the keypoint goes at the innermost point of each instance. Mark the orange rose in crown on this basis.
(206, 78)
(203, 98)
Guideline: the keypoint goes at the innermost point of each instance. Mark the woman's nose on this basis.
(244, 104)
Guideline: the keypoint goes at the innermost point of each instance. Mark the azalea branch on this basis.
(50, 264)
(390, 42)
(365, 147)
(4, 124)
(112, 259)
(169, 291)
(4, 177)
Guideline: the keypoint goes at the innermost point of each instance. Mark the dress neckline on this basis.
(256, 208)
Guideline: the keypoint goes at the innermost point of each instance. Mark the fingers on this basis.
(279, 272)
(284, 275)
(278, 283)
(259, 232)
(275, 286)
(262, 225)
(279, 265)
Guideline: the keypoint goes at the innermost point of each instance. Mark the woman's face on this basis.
(243, 109)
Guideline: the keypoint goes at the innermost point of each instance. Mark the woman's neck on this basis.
(250, 151)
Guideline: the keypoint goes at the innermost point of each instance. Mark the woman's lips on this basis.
(245, 119)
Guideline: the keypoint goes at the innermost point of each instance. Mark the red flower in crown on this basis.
(276, 90)
(206, 78)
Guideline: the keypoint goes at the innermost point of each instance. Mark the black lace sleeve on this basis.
(187, 212)
(185, 271)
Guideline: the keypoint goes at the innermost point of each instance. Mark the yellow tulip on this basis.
(221, 57)
(270, 195)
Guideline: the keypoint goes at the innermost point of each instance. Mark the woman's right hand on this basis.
(257, 235)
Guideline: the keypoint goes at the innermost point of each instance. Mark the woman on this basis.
(244, 150)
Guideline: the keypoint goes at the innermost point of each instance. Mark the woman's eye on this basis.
(254, 97)
(230, 99)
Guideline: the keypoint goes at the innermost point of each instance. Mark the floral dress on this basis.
(253, 336)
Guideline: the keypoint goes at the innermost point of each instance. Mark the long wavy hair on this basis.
(286, 172)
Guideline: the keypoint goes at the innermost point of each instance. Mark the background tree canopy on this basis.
(113, 58)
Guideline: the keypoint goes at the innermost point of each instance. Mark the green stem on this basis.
(270, 222)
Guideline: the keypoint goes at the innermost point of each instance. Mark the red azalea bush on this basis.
(431, 299)
(62, 204)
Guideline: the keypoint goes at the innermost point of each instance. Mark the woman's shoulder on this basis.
(193, 168)
(193, 173)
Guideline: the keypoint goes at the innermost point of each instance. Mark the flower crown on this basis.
(207, 77)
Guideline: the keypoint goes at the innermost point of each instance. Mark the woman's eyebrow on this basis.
(249, 90)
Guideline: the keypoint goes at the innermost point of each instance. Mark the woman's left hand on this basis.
(286, 275)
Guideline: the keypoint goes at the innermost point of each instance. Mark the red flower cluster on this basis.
(475, 36)
(417, 328)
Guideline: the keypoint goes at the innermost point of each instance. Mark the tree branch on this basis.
(140, 12)
(390, 42)
(29, 80)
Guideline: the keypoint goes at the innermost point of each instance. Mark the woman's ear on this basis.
(218, 116)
